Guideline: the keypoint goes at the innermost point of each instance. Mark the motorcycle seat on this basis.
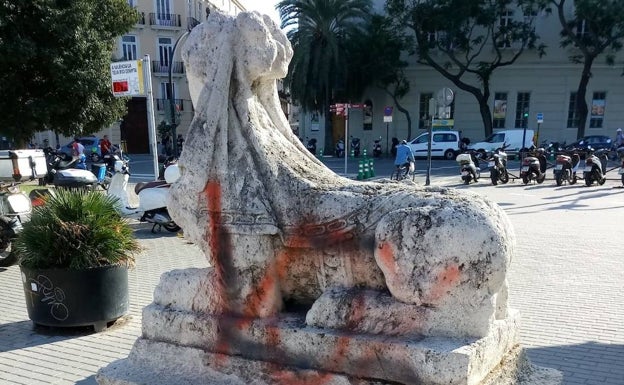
(144, 185)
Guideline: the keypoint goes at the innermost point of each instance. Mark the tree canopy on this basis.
(466, 41)
(594, 28)
(319, 31)
(55, 58)
(375, 58)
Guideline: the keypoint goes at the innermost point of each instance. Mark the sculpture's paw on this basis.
(455, 255)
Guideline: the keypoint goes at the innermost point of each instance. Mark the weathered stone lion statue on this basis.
(315, 278)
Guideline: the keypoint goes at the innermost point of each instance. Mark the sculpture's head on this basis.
(263, 50)
(253, 41)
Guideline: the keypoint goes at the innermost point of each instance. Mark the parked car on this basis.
(443, 143)
(511, 139)
(91, 145)
(596, 142)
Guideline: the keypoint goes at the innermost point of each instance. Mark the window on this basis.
(132, 3)
(423, 112)
(444, 138)
(163, 12)
(368, 115)
(522, 110)
(165, 48)
(500, 110)
(597, 110)
(504, 25)
(582, 28)
(572, 112)
(421, 139)
(129, 47)
(165, 90)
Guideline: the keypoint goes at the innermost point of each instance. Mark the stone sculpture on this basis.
(315, 278)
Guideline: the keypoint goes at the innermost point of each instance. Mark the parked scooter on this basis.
(620, 154)
(62, 171)
(595, 166)
(497, 164)
(15, 208)
(355, 146)
(566, 167)
(534, 167)
(311, 146)
(469, 166)
(153, 200)
(377, 148)
(340, 149)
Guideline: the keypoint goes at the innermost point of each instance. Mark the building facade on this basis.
(532, 86)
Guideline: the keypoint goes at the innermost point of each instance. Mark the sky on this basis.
(264, 6)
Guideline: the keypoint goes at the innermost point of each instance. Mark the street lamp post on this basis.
(171, 99)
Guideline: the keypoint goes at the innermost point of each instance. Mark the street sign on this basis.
(127, 78)
(388, 114)
(540, 117)
(445, 97)
(443, 122)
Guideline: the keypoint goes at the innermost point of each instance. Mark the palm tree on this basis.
(319, 31)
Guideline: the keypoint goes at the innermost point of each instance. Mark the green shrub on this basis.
(76, 229)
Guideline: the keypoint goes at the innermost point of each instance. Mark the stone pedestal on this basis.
(180, 345)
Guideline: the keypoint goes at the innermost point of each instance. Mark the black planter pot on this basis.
(68, 298)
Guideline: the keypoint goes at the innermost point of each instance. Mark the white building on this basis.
(532, 85)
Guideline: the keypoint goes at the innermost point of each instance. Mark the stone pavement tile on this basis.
(40, 355)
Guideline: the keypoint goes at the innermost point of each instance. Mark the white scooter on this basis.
(15, 208)
(469, 166)
(152, 197)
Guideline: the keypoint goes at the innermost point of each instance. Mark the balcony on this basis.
(191, 23)
(141, 19)
(162, 105)
(162, 69)
(165, 20)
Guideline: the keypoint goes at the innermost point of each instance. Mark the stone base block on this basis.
(287, 340)
(180, 347)
(160, 363)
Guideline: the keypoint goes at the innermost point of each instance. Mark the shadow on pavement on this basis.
(589, 363)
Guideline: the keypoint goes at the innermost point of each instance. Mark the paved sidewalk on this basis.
(567, 280)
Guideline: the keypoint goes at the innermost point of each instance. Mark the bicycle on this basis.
(403, 171)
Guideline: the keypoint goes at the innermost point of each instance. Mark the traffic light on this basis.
(525, 115)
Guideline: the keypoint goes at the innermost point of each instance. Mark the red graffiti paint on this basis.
(385, 257)
(444, 282)
(263, 296)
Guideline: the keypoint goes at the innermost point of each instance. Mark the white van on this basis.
(443, 143)
(511, 138)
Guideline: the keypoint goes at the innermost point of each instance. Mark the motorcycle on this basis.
(620, 154)
(340, 149)
(595, 166)
(566, 167)
(393, 149)
(62, 171)
(165, 161)
(534, 167)
(15, 208)
(153, 200)
(355, 146)
(377, 148)
(497, 164)
(469, 166)
(311, 146)
(110, 162)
